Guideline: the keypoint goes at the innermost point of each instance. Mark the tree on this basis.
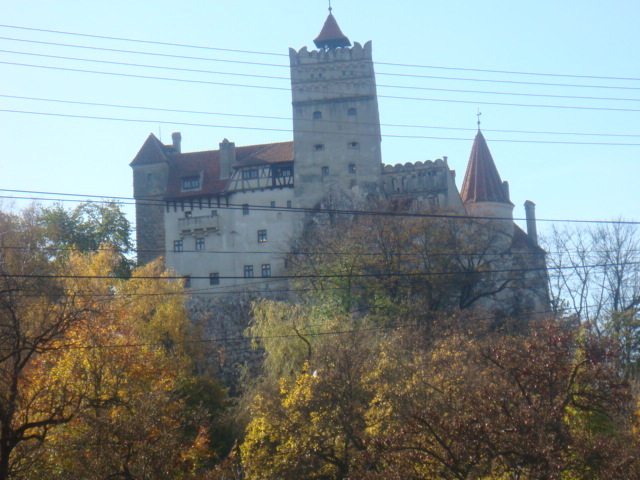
(416, 266)
(460, 402)
(35, 314)
(595, 275)
(312, 424)
(546, 403)
(96, 372)
(87, 227)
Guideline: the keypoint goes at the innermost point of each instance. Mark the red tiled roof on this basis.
(482, 181)
(266, 153)
(207, 164)
(331, 36)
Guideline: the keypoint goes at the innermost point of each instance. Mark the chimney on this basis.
(227, 158)
(177, 139)
(530, 212)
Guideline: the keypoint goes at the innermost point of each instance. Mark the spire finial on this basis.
(478, 115)
(330, 6)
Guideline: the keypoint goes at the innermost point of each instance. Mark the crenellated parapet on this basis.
(306, 57)
(430, 182)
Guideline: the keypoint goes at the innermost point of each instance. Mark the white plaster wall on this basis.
(235, 243)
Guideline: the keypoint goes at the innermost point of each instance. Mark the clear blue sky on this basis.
(89, 156)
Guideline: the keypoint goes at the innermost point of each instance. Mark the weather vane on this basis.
(330, 6)
(478, 115)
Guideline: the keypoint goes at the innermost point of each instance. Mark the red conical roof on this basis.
(482, 181)
(331, 36)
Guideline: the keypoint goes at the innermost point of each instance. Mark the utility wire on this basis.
(296, 336)
(406, 75)
(255, 52)
(295, 209)
(322, 121)
(285, 130)
(394, 97)
(322, 276)
(254, 75)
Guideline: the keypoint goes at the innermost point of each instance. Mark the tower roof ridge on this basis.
(482, 182)
(331, 36)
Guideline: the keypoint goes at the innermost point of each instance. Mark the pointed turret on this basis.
(331, 36)
(483, 192)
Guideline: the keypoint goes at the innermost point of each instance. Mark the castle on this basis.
(224, 218)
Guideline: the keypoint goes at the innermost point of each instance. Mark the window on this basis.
(191, 183)
(266, 269)
(284, 172)
(248, 173)
(325, 171)
(288, 203)
(352, 168)
(248, 271)
(188, 214)
(317, 115)
(177, 245)
(214, 213)
(318, 148)
(262, 236)
(354, 145)
(273, 204)
(245, 209)
(186, 281)
(352, 112)
(199, 243)
(214, 278)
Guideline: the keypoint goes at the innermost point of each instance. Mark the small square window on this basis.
(214, 213)
(245, 209)
(214, 278)
(186, 281)
(188, 214)
(354, 145)
(177, 246)
(318, 147)
(352, 112)
(317, 115)
(199, 243)
(248, 173)
(325, 171)
(262, 236)
(248, 271)
(266, 269)
(273, 204)
(352, 168)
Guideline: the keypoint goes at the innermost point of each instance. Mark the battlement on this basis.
(305, 57)
(411, 167)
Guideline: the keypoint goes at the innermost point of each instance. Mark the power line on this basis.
(323, 121)
(322, 276)
(295, 209)
(406, 75)
(255, 75)
(255, 52)
(285, 130)
(226, 340)
(394, 97)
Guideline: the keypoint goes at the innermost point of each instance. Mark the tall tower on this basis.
(336, 125)
(150, 179)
